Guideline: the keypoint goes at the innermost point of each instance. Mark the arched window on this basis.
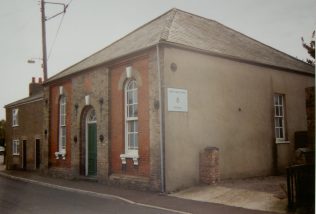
(91, 117)
(62, 124)
(131, 118)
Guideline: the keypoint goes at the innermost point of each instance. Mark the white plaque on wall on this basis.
(177, 99)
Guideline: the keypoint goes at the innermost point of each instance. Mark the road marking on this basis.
(91, 193)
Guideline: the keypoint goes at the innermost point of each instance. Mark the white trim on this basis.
(61, 90)
(15, 148)
(128, 72)
(135, 158)
(130, 153)
(127, 116)
(87, 100)
(15, 117)
(279, 117)
(62, 134)
(62, 154)
(279, 141)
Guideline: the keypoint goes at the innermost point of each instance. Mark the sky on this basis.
(89, 26)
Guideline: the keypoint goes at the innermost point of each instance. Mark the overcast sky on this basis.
(90, 25)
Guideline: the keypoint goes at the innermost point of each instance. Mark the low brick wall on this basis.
(131, 182)
(209, 165)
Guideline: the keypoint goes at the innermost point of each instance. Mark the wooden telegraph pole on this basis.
(44, 40)
(43, 20)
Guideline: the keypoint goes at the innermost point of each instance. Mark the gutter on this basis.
(17, 103)
(238, 59)
(106, 63)
(162, 130)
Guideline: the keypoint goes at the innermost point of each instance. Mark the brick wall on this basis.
(117, 79)
(46, 130)
(209, 165)
(54, 125)
(95, 84)
(30, 123)
(104, 84)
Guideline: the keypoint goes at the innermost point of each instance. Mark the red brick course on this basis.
(54, 125)
(209, 165)
(117, 124)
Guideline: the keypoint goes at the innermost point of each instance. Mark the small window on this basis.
(16, 147)
(279, 117)
(15, 118)
(131, 118)
(62, 124)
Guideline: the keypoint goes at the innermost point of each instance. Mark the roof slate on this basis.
(183, 28)
(33, 98)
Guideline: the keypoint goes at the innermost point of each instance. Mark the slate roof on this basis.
(186, 29)
(36, 97)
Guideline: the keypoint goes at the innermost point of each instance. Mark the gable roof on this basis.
(183, 28)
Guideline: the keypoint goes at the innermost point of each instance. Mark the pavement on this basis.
(264, 193)
(179, 202)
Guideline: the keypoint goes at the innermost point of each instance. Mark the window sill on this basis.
(61, 154)
(134, 156)
(282, 141)
(15, 126)
(16, 154)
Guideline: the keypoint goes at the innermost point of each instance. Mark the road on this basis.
(18, 197)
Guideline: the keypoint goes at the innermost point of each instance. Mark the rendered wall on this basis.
(230, 106)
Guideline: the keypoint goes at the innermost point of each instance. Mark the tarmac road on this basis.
(20, 197)
(29, 192)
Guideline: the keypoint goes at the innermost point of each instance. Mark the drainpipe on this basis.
(162, 132)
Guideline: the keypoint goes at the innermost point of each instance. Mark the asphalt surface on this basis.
(127, 199)
(21, 197)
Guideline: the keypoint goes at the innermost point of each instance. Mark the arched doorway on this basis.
(91, 143)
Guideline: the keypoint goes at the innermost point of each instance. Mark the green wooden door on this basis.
(92, 149)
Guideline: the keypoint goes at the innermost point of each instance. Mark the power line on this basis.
(59, 27)
(56, 35)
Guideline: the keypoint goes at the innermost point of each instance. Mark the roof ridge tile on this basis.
(166, 31)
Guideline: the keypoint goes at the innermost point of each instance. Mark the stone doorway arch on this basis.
(88, 145)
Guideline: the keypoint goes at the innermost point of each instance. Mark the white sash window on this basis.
(62, 124)
(131, 118)
(279, 118)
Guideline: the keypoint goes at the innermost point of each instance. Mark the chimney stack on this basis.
(35, 87)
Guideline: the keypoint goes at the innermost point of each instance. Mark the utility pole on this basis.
(44, 19)
(44, 40)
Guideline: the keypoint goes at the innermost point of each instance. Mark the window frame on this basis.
(16, 147)
(15, 117)
(131, 117)
(279, 118)
(62, 134)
